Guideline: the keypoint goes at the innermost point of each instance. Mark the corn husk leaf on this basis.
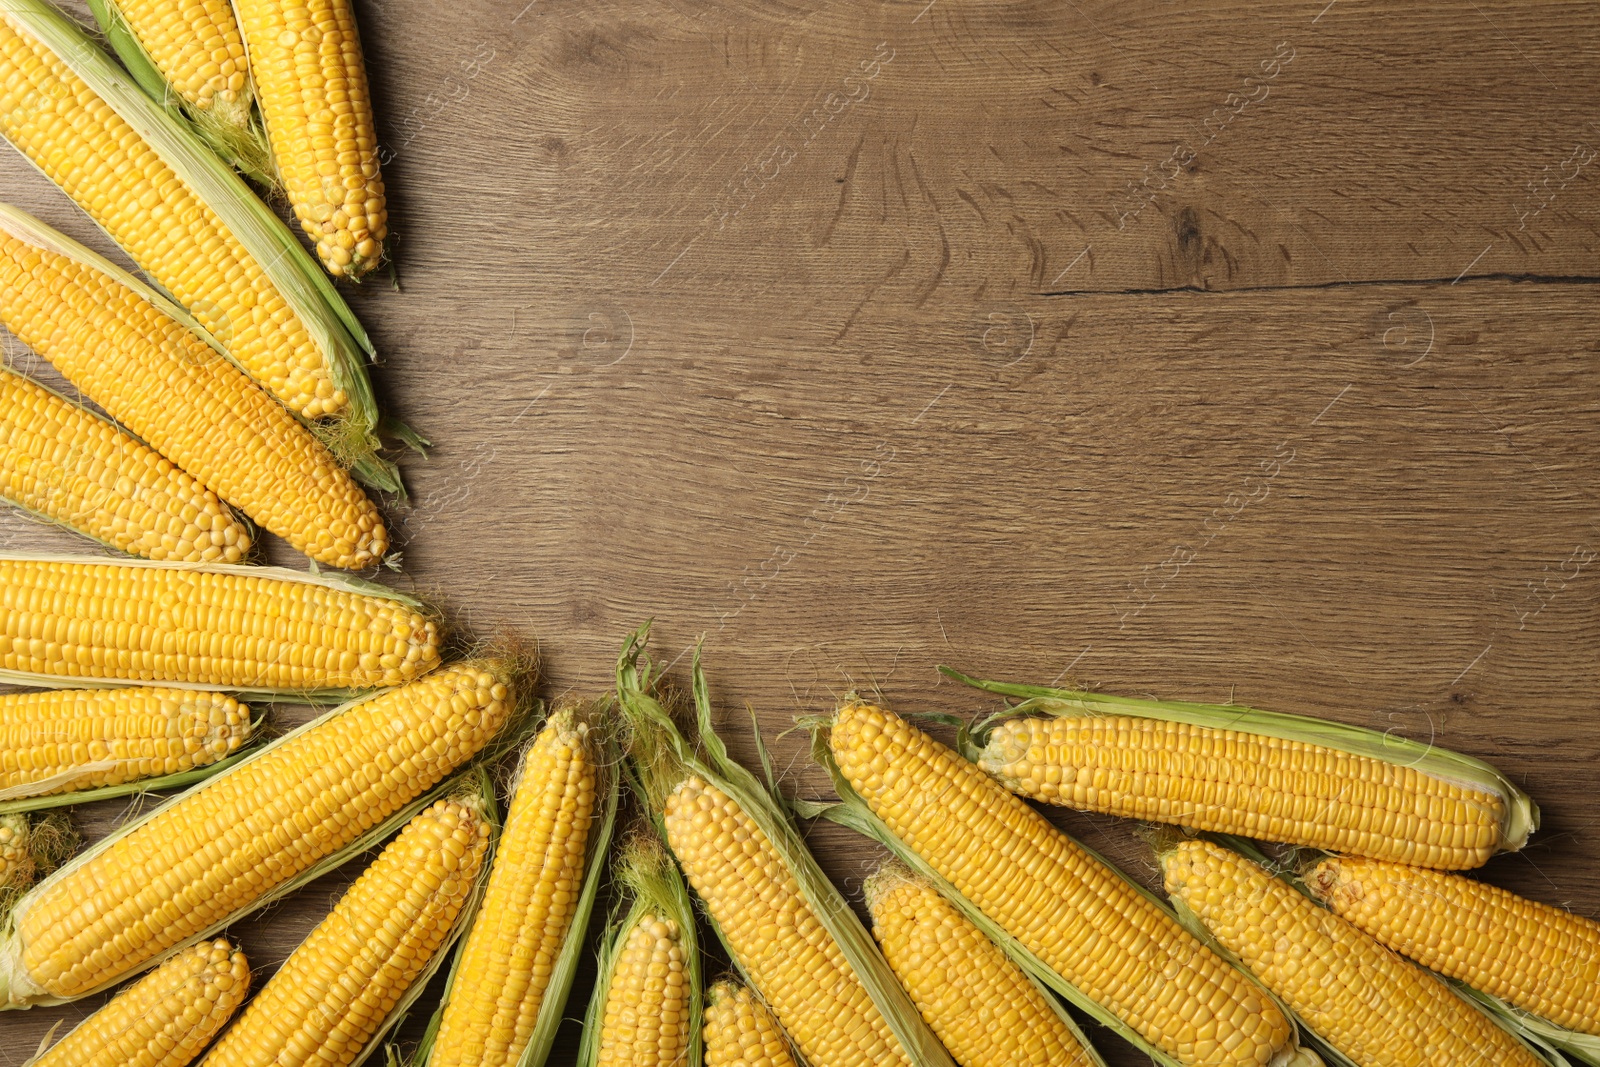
(559, 988)
(335, 580)
(296, 275)
(235, 133)
(666, 752)
(651, 880)
(331, 862)
(1521, 813)
(29, 230)
(852, 811)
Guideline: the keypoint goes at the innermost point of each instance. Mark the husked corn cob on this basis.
(1367, 1002)
(63, 740)
(980, 1004)
(646, 1017)
(55, 119)
(197, 47)
(740, 1032)
(165, 1018)
(264, 821)
(1253, 785)
(63, 462)
(1071, 911)
(532, 896)
(196, 408)
(1543, 960)
(771, 929)
(305, 56)
(341, 985)
(228, 629)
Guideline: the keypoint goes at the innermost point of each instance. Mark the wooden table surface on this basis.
(1205, 350)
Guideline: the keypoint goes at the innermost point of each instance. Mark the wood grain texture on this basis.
(738, 315)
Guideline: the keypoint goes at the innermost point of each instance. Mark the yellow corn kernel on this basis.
(1367, 1002)
(533, 893)
(337, 989)
(165, 1018)
(193, 406)
(97, 159)
(221, 628)
(305, 57)
(770, 927)
(646, 1018)
(64, 740)
(197, 47)
(70, 466)
(1231, 782)
(1542, 959)
(740, 1032)
(979, 1004)
(1074, 913)
(239, 835)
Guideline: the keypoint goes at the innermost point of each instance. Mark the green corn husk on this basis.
(511, 734)
(662, 757)
(1160, 840)
(297, 276)
(336, 580)
(29, 230)
(852, 811)
(652, 880)
(893, 871)
(556, 993)
(48, 839)
(1521, 813)
(238, 137)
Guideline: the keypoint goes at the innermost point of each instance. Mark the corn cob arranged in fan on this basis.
(68, 465)
(740, 1031)
(163, 1020)
(213, 245)
(784, 924)
(189, 53)
(85, 744)
(124, 347)
(1267, 775)
(68, 620)
(305, 56)
(284, 815)
(509, 984)
(1539, 959)
(1086, 931)
(646, 1007)
(335, 997)
(1370, 1005)
(983, 1007)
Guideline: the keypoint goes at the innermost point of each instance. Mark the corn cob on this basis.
(740, 1032)
(305, 56)
(1543, 960)
(240, 628)
(75, 137)
(267, 819)
(207, 416)
(64, 740)
(1075, 914)
(70, 466)
(196, 46)
(165, 1018)
(1227, 768)
(1228, 781)
(645, 1023)
(1368, 1003)
(511, 952)
(979, 1003)
(337, 990)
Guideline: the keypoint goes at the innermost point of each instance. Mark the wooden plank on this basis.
(847, 438)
